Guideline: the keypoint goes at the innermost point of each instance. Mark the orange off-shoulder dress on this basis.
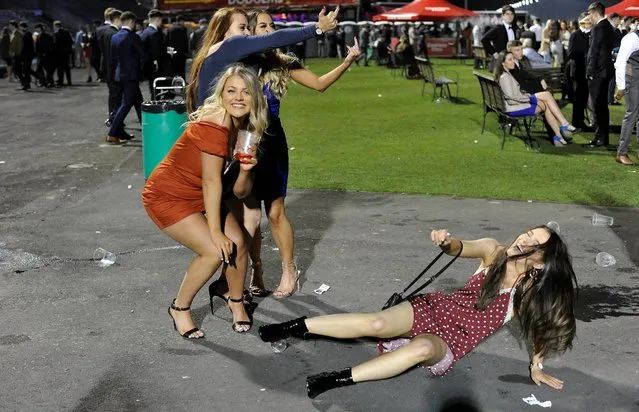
(174, 189)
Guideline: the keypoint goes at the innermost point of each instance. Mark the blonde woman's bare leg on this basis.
(193, 232)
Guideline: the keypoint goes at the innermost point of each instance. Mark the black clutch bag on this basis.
(397, 298)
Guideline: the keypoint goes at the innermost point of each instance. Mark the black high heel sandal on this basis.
(214, 292)
(188, 333)
(249, 323)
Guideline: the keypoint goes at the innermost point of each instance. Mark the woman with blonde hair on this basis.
(271, 176)
(227, 41)
(188, 184)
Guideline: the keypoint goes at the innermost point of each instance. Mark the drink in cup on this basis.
(245, 140)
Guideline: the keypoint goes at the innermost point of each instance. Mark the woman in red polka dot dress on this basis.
(532, 280)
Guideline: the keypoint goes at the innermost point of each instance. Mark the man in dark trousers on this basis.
(127, 57)
(599, 71)
(576, 70)
(153, 41)
(197, 36)
(44, 50)
(62, 52)
(115, 94)
(27, 55)
(177, 41)
(496, 39)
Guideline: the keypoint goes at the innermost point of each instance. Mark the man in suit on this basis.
(197, 36)
(127, 57)
(153, 42)
(27, 55)
(43, 48)
(576, 69)
(62, 52)
(178, 40)
(496, 39)
(599, 71)
(115, 94)
(97, 53)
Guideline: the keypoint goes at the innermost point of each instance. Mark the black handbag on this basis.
(397, 298)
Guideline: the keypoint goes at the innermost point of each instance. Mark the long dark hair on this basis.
(499, 65)
(544, 299)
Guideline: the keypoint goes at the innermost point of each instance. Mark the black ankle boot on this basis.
(278, 331)
(317, 384)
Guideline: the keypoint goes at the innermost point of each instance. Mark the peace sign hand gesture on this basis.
(328, 21)
(353, 52)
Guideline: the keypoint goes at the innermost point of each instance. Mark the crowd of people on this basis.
(597, 70)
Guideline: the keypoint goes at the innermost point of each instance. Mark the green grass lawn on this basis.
(375, 132)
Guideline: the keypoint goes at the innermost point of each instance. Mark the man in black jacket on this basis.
(197, 36)
(27, 55)
(576, 69)
(115, 93)
(97, 53)
(496, 39)
(178, 42)
(599, 71)
(153, 42)
(44, 50)
(62, 52)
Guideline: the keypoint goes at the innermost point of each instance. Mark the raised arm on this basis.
(483, 249)
(309, 79)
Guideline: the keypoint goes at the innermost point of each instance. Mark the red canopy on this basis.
(426, 10)
(625, 8)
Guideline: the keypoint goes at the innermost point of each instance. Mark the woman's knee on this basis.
(423, 349)
(276, 214)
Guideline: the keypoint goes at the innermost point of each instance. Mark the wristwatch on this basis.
(318, 31)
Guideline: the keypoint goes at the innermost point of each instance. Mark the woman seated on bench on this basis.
(520, 104)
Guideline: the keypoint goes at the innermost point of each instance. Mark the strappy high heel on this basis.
(214, 292)
(188, 333)
(257, 291)
(248, 323)
(278, 294)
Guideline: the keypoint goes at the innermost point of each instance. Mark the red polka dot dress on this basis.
(454, 318)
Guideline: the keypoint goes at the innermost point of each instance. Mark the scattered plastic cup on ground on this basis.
(323, 288)
(602, 220)
(605, 260)
(553, 225)
(279, 346)
(104, 257)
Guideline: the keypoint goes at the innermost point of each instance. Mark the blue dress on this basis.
(271, 172)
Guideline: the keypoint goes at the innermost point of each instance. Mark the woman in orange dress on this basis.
(188, 183)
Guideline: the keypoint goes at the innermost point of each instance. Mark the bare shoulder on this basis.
(218, 117)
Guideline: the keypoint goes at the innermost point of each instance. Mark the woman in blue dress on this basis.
(271, 176)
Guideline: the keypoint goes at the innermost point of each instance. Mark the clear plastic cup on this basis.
(279, 346)
(245, 139)
(104, 257)
(553, 225)
(602, 220)
(605, 260)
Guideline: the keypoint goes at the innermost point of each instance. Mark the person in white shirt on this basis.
(537, 61)
(627, 77)
(537, 29)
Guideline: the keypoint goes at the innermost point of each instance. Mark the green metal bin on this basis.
(163, 122)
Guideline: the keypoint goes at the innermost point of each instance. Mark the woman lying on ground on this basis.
(227, 41)
(523, 104)
(188, 183)
(271, 177)
(531, 279)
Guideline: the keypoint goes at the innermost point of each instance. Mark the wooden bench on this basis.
(554, 77)
(480, 54)
(442, 82)
(493, 101)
